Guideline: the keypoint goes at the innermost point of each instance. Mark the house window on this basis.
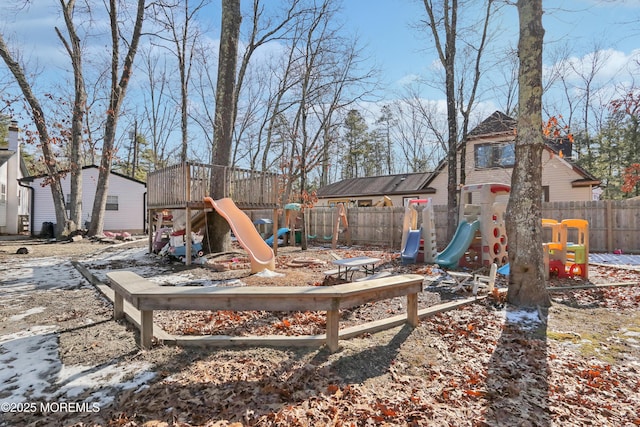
(67, 202)
(3, 193)
(494, 155)
(545, 193)
(365, 203)
(112, 203)
(333, 202)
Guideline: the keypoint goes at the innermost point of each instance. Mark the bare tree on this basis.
(467, 95)
(218, 229)
(120, 79)
(527, 281)
(443, 23)
(461, 79)
(179, 20)
(384, 124)
(419, 131)
(42, 126)
(74, 49)
(504, 80)
(159, 115)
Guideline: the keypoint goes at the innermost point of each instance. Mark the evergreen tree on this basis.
(358, 146)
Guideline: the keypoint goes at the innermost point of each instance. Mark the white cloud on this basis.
(408, 79)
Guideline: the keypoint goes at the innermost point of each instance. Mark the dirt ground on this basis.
(578, 364)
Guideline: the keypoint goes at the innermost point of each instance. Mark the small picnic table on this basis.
(346, 265)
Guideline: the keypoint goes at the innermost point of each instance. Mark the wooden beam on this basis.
(251, 340)
(590, 286)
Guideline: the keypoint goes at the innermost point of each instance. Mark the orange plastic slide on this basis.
(260, 254)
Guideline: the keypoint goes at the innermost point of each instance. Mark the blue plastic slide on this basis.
(459, 244)
(281, 232)
(409, 253)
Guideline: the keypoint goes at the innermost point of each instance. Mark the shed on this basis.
(368, 191)
(126, 201)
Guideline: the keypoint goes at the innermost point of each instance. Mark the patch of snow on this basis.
(186, 279)
(30, 366)
(25, 365)
(36, 273)
(33, 331)
(76, 380)
(526, 319)
(34, 310)
(269, 273)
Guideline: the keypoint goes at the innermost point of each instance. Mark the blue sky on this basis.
(388, 28)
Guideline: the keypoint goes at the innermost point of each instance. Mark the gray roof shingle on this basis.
(405, 183)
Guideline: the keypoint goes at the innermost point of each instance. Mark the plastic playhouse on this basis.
(481, 236)
(568, 258)
(418, 242)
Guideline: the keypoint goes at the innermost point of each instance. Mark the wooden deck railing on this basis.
(187, 184)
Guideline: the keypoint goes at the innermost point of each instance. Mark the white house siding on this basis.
(3, 196)
(14, 200)
(129, 217)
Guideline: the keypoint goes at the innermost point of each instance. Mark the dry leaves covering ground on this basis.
(483, 365)
(464, 367)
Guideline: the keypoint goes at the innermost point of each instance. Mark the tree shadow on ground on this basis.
(517, 377)
(368, 363)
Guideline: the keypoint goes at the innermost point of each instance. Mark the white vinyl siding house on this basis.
(126, 201)
(14, 199)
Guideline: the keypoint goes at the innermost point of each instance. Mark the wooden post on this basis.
(275, 232)
(391, 227)
(150, 215)
(187, 215)
(333, 320)
(118, 306)
(412, 310)
(146, 328)
(609, 229)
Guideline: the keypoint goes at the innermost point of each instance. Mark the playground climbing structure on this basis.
(567, 258)
(182, 188)
(418, 240)
(481, 236)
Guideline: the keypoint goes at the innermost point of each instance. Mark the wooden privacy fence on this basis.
(613, 224)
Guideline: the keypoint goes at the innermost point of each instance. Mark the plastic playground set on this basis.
(480, 239)
(479, 242)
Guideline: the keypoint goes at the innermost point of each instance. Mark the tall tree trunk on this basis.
(527, 282)
(447, 56)
(465, 110)
(43, 135)
(74, 51)
(218, 230)
(117, 94)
